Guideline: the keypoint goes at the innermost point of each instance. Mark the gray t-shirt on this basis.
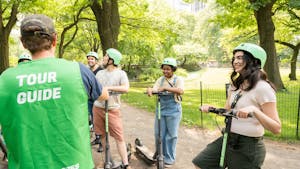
(116, 77)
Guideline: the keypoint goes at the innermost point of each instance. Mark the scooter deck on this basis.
(145, 153)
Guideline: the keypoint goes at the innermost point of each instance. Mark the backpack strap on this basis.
(174, 81)
(172, 85)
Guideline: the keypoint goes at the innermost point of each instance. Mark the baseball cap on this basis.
(37, 24)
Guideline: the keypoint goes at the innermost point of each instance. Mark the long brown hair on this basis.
(251, 72)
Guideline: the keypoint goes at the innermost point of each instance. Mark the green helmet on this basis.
(24, 56)
(115, 55)
(94, 54)
(170, 61)
(257, 51)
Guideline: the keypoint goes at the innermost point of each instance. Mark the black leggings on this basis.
(242, 153)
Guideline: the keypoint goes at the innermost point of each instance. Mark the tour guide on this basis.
(43, 107)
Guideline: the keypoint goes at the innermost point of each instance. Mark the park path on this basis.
(139, 123)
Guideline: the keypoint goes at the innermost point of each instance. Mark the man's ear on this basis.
(54, 42)
(22, 40)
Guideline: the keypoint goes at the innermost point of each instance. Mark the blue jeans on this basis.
(171, 113)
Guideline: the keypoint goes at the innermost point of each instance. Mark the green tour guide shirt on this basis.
(44, 115)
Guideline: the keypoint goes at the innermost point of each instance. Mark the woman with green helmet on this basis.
(251, 93)
(171, 110)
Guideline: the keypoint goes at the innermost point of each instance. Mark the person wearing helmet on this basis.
(250, 92)
(93, 58)
(171, 110)
(115, 80)
(94, 66)
(24, 58)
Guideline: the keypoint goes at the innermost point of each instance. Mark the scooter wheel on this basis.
(138, 142)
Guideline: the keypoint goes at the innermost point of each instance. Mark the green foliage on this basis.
(149, 33)
(235, 14)
(181, 72)
(294, 4)
(152, 74)
(152, 30)
(149, 74)
(255, 5)
(188, 1)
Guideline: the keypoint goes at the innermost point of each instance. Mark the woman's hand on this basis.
(246, 112)
(204, 108)
(149, 91)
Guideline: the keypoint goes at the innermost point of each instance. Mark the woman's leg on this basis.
(172, 125)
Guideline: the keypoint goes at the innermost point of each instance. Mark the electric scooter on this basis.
(109, 163)
(142, 150)
(228, 114)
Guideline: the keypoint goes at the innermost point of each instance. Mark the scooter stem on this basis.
(107, 164)
(160, 157)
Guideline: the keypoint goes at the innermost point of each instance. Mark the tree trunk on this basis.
(4, 46)
(266, 30)
(295, 49)
(4, 34)
(108, 22)
(292, 75)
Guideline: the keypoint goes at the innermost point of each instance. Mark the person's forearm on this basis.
(270, 124)
(123, 88)
(104, 95)
(174, 90)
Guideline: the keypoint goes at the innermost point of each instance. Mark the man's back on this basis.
(44, 115)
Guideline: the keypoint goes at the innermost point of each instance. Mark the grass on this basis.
(287, 102)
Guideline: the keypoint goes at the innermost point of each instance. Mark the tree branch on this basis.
(286, 44)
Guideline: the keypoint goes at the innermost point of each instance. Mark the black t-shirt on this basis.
(99, 68)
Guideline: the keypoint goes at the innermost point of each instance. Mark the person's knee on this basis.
(119, 140)
(171, 136)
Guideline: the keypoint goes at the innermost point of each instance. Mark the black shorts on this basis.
(242, 152)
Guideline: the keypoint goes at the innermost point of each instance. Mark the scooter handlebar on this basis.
(164, 93)
(225, 112)
(111, 93)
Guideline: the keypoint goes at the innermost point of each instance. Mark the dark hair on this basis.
(38, 42)
(251, 72)
(113, 61)
(172, 67)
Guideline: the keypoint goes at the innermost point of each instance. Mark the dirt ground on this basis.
(139, 124)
